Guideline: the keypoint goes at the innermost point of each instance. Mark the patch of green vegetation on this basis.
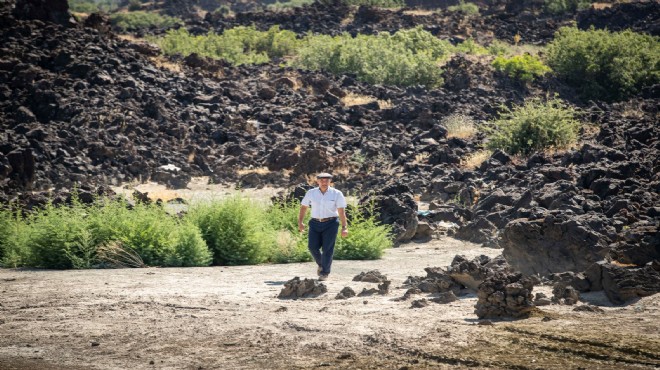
(469, 46)
(239, 45)
(565, 6)
(233, 231)
(278, 6)
(408, 57)
(605, 65)
(522, 67)
(367, 238)
(93, 6)
(133, 21)
(535, 126)
(374, 3)
(465, 8)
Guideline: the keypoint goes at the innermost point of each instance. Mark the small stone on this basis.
(95, 343)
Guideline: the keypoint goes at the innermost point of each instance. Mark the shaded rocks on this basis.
(436, 281)
(396, 206)
(563, 294)
(541, 300)
(471, 273)
(588, 308)
(623, 284)
(444, 297)
(383, 289)
(307, 288)
(419, 303)
(554, 243)
(345, 293)
(55, 11)
(505, 295)
(373, 276)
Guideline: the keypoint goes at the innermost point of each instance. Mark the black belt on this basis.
(324, 219)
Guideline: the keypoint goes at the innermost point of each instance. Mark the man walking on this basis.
(328, 206)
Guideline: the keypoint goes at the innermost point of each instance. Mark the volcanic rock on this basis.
(505, 295)
(307, 288)
(373, 276)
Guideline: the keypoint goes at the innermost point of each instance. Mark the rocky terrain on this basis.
(82, 106)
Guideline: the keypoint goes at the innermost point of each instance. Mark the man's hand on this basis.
(344, 232)
(301, 227)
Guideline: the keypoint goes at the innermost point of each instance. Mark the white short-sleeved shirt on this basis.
(324, 205)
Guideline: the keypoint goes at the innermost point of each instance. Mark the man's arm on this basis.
(344, 223)
(301, 217)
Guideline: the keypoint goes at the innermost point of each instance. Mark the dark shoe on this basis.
(323, 277)
(319, 270)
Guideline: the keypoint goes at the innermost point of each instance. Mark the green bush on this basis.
(409, 57)
(605, 65)
(14, 251)
(137, 20)
(56, 234)
(469, 46)
(191, 249)
(290, 245)
(367, 239)
(565, 6)
(523, 67)
(277, 6)
(377, 3)
(239, 45)
(465, 8)
(235, 229)
(63, 237)
(157, 237)
(534, 126)
(92, 6)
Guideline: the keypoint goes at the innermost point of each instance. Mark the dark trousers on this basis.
(322, 236)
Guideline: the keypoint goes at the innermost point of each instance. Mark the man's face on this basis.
(323, 182)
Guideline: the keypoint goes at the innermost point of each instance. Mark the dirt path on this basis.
(230, 318)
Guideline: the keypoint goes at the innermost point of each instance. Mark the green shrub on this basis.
(498, 47)
(191, 249)
(147, 229)
(137, 20)
(565, 6)
(239, 45)
(409, 57)
(523, 67)
(92, 6)
(290, 245)
(367, 239)
(534, 126)
(465, 8)
(277, 6)
(377, 3)
(605, 65)
(469, 46)
(14, 233)
(55, 234)
(235, 229)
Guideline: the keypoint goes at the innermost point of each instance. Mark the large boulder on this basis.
(623, 284)
(395, 206)
(554, 243)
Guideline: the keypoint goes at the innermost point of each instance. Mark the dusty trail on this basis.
(229, 317)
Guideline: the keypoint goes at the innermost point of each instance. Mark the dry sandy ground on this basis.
(231, 318)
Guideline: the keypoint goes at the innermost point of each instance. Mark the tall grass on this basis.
(110, 233)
